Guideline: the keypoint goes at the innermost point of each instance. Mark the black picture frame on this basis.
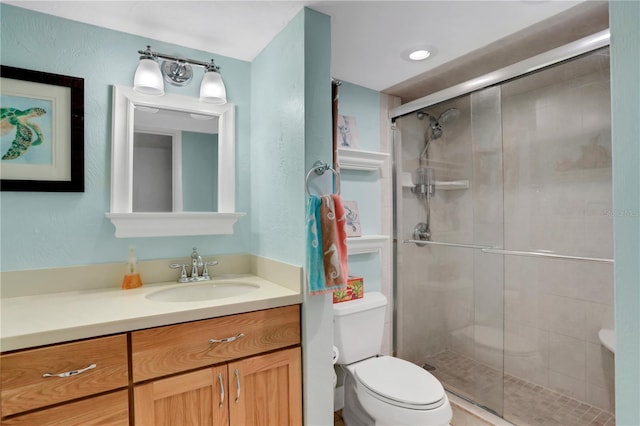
(73, 140)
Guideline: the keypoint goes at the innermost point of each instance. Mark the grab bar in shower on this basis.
(494, 250)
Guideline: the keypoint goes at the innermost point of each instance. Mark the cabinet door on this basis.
(266, 390)
(198, 399)
(111, 409)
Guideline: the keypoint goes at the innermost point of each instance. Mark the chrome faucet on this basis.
(196, 264)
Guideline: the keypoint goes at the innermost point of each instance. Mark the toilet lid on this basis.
(399, 381)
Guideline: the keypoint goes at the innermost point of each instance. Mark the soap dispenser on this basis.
(132, 278)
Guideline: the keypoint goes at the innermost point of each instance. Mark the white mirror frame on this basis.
(159, 224)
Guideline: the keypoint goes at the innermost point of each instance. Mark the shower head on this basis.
(449, 115)
(436, 124)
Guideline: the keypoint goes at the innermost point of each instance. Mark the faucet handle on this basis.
(205, 270)
(183, 273)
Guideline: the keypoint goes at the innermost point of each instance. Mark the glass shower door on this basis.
(504, 274)
(558, 239)
(449, 204)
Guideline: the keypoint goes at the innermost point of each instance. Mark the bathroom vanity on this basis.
(120, 357)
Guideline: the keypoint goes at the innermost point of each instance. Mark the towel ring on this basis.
(319, 168)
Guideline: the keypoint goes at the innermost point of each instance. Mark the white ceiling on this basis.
(367, 37)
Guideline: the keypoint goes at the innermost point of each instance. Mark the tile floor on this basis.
(525, 403)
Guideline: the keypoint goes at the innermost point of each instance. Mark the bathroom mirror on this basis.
(175, 161)
(172, 166)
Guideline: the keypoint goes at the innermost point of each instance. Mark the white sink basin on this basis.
(203, 291)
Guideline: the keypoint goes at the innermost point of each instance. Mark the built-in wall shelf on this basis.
(440, 184)
(366, 244)
(452, 184)
(356, 159)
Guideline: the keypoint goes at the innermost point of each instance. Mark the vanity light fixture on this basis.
(178, 72)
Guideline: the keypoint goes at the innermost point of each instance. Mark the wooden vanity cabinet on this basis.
(30, 378)
(242, 369)
(258, 383)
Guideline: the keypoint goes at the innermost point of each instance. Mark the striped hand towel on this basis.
(327, 266)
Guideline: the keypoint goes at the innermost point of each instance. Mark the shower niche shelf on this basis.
(366, 244)
(357, 159)
(440, 184)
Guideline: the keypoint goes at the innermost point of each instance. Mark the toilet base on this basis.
(353, 413)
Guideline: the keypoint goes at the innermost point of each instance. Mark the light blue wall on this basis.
(291, 128)
(624, 19)
(317, 321)
(364, 187)
(363, 104)
(41, 230)
(277, 155)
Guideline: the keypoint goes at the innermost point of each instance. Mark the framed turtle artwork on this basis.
(41, 132)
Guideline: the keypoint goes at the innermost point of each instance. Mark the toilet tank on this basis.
(358, 326)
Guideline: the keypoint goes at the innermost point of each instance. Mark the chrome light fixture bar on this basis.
(177, 71)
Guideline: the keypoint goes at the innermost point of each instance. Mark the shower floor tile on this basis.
(525, 403)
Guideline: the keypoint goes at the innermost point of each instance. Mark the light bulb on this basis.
(212, 89)
(148, 78)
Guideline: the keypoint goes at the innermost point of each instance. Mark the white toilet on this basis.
(382, 390)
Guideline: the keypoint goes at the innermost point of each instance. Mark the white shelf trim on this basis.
(366, 244)
(356, 159)
(172, 224)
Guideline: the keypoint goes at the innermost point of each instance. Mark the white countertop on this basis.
(30, 321)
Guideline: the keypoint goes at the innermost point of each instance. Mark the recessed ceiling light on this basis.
(418, 52)
(419, 55)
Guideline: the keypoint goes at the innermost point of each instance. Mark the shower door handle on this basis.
(442, 243)
(491, 250)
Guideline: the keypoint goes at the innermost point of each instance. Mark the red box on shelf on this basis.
(354, 290)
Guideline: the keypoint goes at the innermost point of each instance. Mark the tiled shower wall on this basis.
(540, 179)
(557, 150)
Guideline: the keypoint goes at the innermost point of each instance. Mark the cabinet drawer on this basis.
(25, 388)
(111, 409)
(166, 350)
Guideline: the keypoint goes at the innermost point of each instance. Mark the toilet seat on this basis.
(400, 383)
